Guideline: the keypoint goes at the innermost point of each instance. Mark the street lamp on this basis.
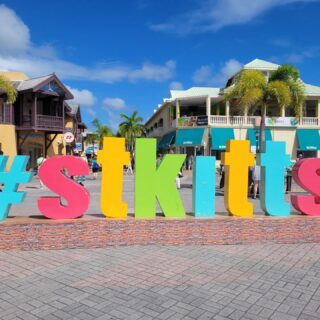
(257, 141)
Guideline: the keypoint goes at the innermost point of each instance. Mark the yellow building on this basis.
(200, 121)
(35, 124)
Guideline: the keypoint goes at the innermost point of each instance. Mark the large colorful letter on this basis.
(273, 163)
(52, 176)
(11, 181)
(306, 173)
(237, 160)
(204, 186)
(156, 183)
(112, 158)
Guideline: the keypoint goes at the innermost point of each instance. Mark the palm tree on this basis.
(131, 128)
(101, 131)
(7, 90)
(92, 138)
(291, 76)
(252, 90)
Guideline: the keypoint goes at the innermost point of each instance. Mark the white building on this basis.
(199, 121)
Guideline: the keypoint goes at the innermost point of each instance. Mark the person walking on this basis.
(178, 182)
(256, 180)
(289, 176)
(95, 168)
(222, 173)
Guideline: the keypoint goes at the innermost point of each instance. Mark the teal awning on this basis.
(189, 137)
(251, 135)
(220, 136)
(309, 139)
(167, 140)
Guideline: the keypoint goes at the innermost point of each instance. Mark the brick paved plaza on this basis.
(192, 282)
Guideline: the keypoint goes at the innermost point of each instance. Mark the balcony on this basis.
(42, 122)
(242, 121)
(158, 132)
(5, 114)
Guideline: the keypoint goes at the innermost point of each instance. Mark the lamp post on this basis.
(257, 141)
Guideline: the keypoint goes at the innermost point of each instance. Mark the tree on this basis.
(101, 131)
(252, 90)
(92, 138)
(7, 90)
(131, 128)
(291, 76)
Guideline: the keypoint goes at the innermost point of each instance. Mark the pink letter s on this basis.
(306, 174)
(78, 198)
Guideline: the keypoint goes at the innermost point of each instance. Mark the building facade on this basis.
(200, 121)
(35, 124)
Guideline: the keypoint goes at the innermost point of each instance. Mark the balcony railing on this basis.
(43, 122)
(5, 114)
(309, 121)
(249, 121)
(155, 132)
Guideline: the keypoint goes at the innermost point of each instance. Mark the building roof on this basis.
(14, 76)
(38, 83)
(194, 92)
(311, 90)
(259, 64)
(31, 83)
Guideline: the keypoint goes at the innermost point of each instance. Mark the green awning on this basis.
(251, 135)
(309, 139)
(189, 137)
(219, 137)
(167, 140)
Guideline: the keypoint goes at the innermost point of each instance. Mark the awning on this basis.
(309, 139)
(167, 140)
(251, 134)
(219, 137)
(189, 137)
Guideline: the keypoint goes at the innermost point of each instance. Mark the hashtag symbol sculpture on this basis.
(11, 180)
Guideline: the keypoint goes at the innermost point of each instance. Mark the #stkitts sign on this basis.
(154, 183)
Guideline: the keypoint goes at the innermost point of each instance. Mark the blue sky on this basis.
(125, 55)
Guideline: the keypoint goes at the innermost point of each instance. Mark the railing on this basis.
(309, 121)
(43, 122)
(6, 114)
(218, 119)
(240, 121)
(49, 122)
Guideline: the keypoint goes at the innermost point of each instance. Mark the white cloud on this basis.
(35, 66)
(114, 103)
(205, 74)
(85, 98)
(14, 34)
(176, 85)
(213, 15)
(17, 53)
(202, 75)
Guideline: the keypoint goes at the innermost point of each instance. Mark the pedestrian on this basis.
(95, 168)
(178, 182)
(222, 173)
(40, 161)
(256, 180)
(158, 161)
(300, 157)
(190, 162)
(289, 176)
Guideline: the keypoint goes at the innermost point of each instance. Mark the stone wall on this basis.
(23, 233)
